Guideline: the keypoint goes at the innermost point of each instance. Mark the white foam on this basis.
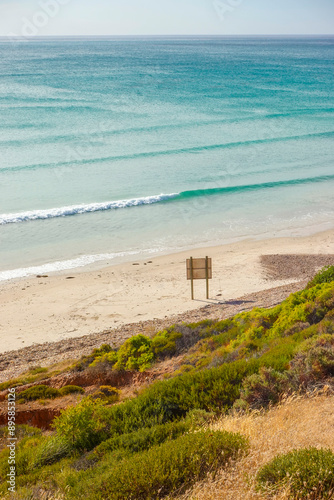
(64, 265)
(51, 213)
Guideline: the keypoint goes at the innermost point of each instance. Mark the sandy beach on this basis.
(81, 302)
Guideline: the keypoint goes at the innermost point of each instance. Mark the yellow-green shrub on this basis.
(308, 472)
(107, 393)
(39, 392)
(325, 275)
(163, 469)
(71, 389)
(83, 426)
(135, 354)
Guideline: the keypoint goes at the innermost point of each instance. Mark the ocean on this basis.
(115, 149)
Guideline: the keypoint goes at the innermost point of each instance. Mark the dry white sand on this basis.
(38, 310)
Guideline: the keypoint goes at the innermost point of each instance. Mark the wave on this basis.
(152, 154)
(72, 210)
(63, 265)
(254, 187)
(81, 209)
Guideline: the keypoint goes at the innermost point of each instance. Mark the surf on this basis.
(72, 210)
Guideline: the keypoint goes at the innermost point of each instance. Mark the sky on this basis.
(25, 18)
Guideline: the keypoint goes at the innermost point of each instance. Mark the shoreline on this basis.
(75, 304)
(97, 262)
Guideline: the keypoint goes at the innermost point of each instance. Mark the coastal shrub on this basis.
(91, 422)
(145, 438)
(191, 333)
(135, 354)
(34, 370)
(279, 353)
(36, 374)
(209, 343)
(325, 275)
(260, 389)
(139, 352)
(105, 362)
(309, 305)
(21, 431)
(163, 469)
(24, 456)
(25, 379)
(275, 352)
(309, 473)
(107, 393)
(327, 324)
(97, 354)
(83, 426)
(39, 392)
(71, 389)
(104, 349)
(314, 360)
(250, 334)
(164, 343)
(213, 390)
(50, 451)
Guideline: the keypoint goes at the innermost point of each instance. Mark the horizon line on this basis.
(217, 35)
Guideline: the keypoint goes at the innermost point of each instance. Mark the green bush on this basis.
(166, 468)
(71, 389)
(97, 355)
(260, 389)
(325, 275)
(50, 451)
(314, 360)
(164, 343)
(135, 354)
(254, 333)
(105, 348)
(90, 422)
(21, 431)
(213, 390)
(39, 392)
(83, 426)
(24, 456)
(308, 472)
(106, 361)
(208, 343)
(37, 369)
(145, 438)
(107, 393)
(307, 306)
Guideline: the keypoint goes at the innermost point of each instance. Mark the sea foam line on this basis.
(63, 265)
(81, 209)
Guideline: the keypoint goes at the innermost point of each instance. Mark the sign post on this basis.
(207, 276)
(192, 277)
(198, 269)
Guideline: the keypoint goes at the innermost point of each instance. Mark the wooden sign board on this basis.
(200, 270)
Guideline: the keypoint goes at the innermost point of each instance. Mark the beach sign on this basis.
(199, 269)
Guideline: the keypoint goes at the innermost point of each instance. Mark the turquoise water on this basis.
(115, 148)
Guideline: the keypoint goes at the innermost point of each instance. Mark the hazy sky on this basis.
(139, 17)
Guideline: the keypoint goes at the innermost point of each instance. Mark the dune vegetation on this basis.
(196, 433)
